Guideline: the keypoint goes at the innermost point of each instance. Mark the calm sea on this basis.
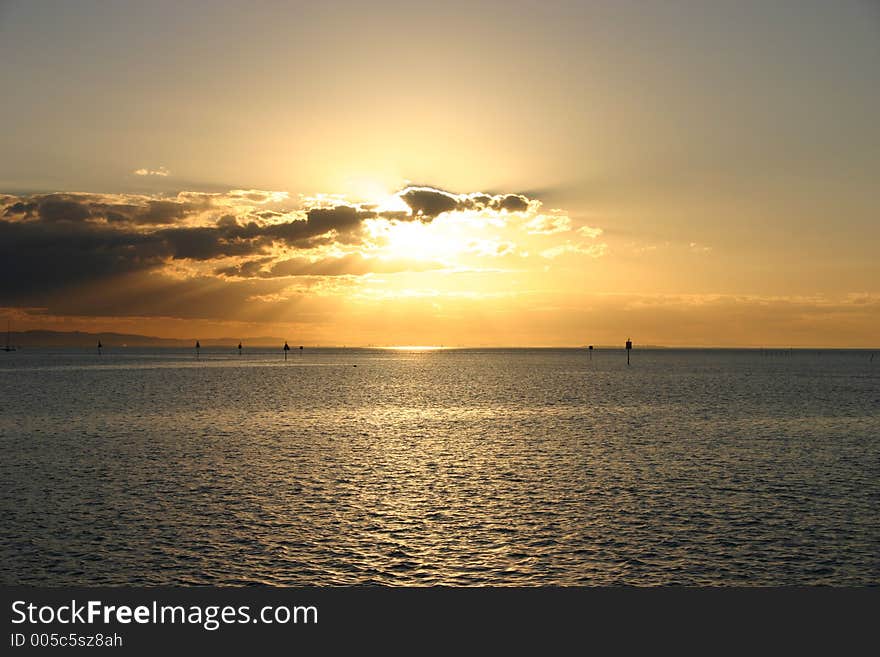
(458, 467)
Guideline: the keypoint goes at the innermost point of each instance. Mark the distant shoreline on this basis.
(24, 340)
(110, 339)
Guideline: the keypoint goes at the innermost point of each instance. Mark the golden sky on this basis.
(464, 174)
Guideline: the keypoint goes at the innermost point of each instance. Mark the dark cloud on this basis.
(206, 243)
(165, 212)
(481, 200)
(342, 218)
(21, 208)
(514, 203)
(341, 221)
(427, 202)
(85, 207)
(148, 294)
(149, 213)
(227, 221)
(40, 257)
(60, 208)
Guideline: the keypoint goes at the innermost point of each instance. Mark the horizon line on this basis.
(264, 341)
(208, 343)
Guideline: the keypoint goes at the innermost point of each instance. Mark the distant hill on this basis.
(81, 339)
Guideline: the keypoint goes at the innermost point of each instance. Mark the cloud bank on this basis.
(60, 250)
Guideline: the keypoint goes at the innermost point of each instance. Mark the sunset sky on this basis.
(458, 173)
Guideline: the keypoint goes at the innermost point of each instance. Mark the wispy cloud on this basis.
(590, 231)
(591, 250)
(161, 171)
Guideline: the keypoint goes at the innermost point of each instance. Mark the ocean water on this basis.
(453, 467)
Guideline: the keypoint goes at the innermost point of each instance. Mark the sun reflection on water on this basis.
(415, 347)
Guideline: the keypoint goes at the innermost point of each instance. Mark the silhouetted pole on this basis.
(629, 346)
(100, 347)
(590, 349)
(239, 348)
(286, 349)
(198, 347)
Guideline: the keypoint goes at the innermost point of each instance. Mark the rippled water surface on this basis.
(513, 467)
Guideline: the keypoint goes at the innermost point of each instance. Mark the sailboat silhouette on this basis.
(8, 346)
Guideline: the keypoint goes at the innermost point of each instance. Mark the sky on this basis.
(460, 173)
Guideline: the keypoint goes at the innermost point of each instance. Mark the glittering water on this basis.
(520, 467)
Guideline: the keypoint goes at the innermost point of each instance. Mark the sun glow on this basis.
(414, 240)
(392, 203)
(414, 347)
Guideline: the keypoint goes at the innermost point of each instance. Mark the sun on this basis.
(391, 203)
(415, 240)
(375, 194)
